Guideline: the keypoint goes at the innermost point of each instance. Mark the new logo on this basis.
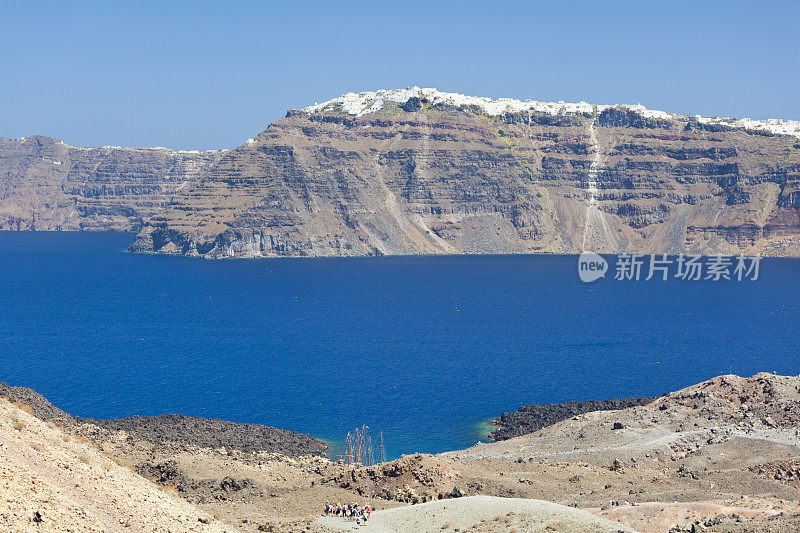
(591, 267)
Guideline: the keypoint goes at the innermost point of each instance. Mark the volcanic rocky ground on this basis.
(718, 456)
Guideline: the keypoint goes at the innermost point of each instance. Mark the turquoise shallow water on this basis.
(421, 348)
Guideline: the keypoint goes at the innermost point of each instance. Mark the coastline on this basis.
(705, 448)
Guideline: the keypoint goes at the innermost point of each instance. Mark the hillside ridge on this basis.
(419, 171)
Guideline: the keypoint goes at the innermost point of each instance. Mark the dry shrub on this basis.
(82, 458)
(65, 438)
(119, 461)
(169, 488)
(36, 446)
(446, 525)
(18, 426)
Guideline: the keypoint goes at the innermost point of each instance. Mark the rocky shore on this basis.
(530, 418)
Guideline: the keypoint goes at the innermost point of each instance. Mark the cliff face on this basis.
(48, 185)
(410, 172)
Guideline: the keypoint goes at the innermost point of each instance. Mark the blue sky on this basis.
(211, 74)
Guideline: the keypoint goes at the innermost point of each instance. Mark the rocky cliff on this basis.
(48, 185)
(423, 172)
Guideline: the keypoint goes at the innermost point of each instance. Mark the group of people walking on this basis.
(349, 511)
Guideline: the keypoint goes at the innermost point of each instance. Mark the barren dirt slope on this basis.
(51, 481)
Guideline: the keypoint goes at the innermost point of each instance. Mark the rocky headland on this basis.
(530, 418)
(212, 433)
(175, 429)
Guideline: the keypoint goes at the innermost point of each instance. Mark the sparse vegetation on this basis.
(168, 488)
(118, 461)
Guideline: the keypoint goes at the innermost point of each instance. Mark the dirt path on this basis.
(479, 513)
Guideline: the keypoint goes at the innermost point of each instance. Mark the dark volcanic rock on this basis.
(530, 418)
(203, 432)
(625, 118)
(737, 195)
(164, 473)
(412, 104)
(213, 433)
(39, 405)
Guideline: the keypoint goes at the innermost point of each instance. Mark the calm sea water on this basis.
(422, 348)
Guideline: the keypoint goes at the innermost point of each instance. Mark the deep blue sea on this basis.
(421, 348)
